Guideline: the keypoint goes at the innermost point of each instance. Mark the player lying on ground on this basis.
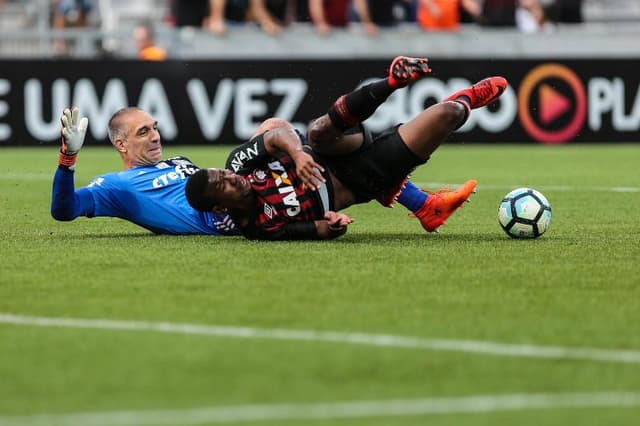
(148, 192)
(274, 188)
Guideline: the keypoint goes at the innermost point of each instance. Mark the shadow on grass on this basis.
(384, 238)
(360, 238)
(143, 236)
(96, 235)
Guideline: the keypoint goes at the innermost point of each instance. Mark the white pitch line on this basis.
(331, 410)
(560, 188)
(468, 346)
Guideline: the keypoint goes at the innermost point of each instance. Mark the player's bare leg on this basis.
(430, 128)
(327, 139)
(424, 134)
(327, 133)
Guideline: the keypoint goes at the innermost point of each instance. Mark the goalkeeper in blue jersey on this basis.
(148, 192)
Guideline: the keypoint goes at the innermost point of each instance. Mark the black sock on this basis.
(466, 102)
(355, 107)
(465, 99)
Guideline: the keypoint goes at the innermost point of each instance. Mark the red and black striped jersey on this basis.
(281, 198)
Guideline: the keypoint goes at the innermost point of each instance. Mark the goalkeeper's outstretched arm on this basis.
(66, 202)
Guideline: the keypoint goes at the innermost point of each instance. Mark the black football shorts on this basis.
(380, 164)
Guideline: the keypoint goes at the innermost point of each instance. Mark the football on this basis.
(524, 213)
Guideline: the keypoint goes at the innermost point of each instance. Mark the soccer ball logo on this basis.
(524, 213)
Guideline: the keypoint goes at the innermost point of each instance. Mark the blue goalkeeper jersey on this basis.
(150, 196)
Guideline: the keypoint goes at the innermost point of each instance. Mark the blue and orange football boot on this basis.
(442, 204)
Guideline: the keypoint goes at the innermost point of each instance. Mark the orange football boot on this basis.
(441, 204)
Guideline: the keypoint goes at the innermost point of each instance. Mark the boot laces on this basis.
(483, 90)
(444, 190)
(439, 193)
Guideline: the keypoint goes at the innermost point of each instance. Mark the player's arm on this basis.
(247, 155)
(328, 232)
(333, 226)
(277, 138)
(66, 202)
(254, 151)
(288, 141)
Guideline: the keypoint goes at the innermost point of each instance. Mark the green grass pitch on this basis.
(575, 289)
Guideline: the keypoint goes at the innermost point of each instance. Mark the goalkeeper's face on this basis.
(142, 142)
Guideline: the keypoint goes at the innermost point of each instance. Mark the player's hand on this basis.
(337, 221)
(309, 171)
(73, 131)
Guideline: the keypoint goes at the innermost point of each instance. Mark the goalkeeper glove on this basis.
(73, 133)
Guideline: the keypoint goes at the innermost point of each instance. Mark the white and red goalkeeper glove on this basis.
(73, 133)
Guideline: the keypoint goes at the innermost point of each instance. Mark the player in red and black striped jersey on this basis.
(284, 209)
(273, 188)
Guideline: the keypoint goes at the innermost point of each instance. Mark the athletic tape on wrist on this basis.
(68, 160)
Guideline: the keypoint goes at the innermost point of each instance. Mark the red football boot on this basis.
(483, 92)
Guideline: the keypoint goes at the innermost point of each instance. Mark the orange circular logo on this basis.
(559, 101)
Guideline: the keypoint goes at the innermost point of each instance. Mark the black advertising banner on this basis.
(223, 102)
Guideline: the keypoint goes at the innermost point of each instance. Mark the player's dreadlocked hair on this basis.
(195, 191)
